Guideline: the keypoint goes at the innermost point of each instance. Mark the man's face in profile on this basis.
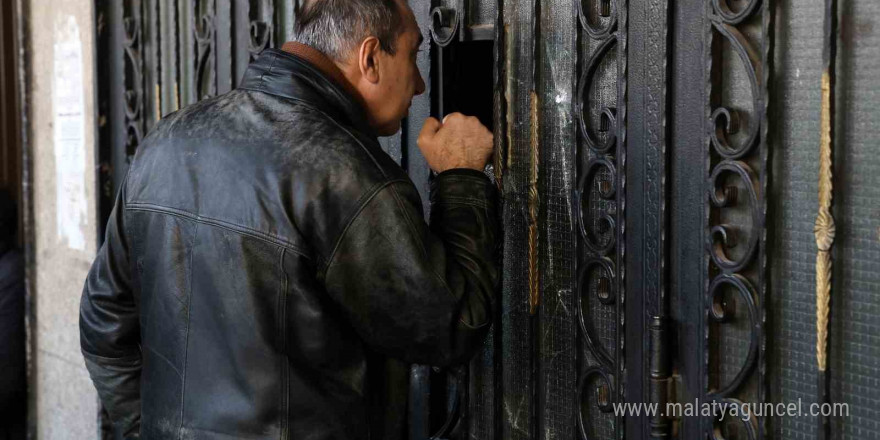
(400, 79)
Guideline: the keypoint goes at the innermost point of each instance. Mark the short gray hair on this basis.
(334, 27)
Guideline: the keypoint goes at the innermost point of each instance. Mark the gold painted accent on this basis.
(534, 278)
(158, 101)
(498, 159)
(508, 93)
(824, 229)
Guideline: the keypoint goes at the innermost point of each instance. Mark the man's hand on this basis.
(459, 142)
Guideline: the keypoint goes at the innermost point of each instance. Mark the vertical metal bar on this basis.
(223, 35)
(517, 408)
(620, 257)
(21, 12)
(534, 206)
(419, 402)
(187, 52)
(441, 86)
(688, 149)
(556, 353)
(655, 212)
(151, 48)
(646, 238)
(6, 132)
(285, 11)
(240, 39)
(534, 152)
(168, 62)
(825, 228)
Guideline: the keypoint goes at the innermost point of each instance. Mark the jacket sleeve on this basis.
(418, 293)
(109, 328)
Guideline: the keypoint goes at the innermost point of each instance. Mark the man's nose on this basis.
(420, 84)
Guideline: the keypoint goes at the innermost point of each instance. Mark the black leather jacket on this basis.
(267, 270)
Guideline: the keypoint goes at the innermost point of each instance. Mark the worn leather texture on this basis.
(267, 271)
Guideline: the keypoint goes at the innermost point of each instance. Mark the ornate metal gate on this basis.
(632, 152)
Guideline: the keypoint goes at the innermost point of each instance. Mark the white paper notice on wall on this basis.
(70, 156)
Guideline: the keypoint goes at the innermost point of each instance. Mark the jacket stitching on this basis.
(244, 230)
(263, 75)
(361, 204)
(236, 436)
(186, 341)
(125, 359)
(445, 200)
(161, 356)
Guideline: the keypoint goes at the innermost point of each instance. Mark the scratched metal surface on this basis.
(855, 321)
(557, 377)
(516, 376)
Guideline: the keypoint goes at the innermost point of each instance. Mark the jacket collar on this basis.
(292, 76)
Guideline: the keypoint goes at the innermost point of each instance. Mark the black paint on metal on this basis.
(687, 204)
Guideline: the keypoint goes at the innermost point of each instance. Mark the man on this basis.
(266, 267)
(13, 373)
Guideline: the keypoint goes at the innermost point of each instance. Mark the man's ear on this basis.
(368, 59)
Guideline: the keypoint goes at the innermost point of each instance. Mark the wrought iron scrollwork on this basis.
(727, 121)
(456, 403)
(134, 77)
(445, 23)
(595, 29)
(203, 28)
(736, 191)
(722, 236)
(599, 202)
(749, 424)
(604, 393)
(608, 124)
(260, 14)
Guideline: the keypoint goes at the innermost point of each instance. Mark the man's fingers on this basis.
(431, 127)
(454, 115)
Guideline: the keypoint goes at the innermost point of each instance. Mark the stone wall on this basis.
(61, 106)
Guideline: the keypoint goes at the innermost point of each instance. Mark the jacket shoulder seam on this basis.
(244, 230)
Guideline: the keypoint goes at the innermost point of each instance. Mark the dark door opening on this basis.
(465, 80)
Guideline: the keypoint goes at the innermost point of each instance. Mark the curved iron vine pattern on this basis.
(446, 22)
(599, 204)
(134, 77)
(736, 189)
(203, 28)
(260, 14)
